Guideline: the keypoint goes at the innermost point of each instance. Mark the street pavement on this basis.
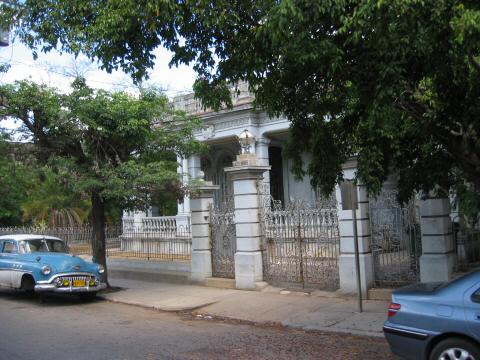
(65, 327)
(317, 310)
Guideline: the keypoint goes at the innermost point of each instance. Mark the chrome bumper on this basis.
(69, 289)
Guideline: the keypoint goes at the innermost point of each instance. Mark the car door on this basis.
(472, 310)
(8, 257)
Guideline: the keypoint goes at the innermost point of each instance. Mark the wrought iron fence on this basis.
(134, 240)
(467, 244)
(223, 239)
(396, 240)
(302, 243)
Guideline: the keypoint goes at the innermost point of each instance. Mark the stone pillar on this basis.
(261, 150)
(194, 166)
(438, 249)
(347, 271)
(201, 266)
(245, 173)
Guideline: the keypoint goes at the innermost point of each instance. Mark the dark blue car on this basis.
(436, 321)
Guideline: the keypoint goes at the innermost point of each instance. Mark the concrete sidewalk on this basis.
(318, 310)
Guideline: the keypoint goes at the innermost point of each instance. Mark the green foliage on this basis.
(394, 83)
(14, 180)
(4, 67)
(51, 201)
(113, 149)
(113, 144)
(468, 204)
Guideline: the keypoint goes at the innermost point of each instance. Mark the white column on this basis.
(201, 265)
(347, 269)
(261, 150)
(438, 248)
(186, 199)
(183, 209)
(180, 206)
(194, 166)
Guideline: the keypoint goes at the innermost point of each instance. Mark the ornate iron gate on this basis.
(223, 237)
(396, 240)
(301, 243)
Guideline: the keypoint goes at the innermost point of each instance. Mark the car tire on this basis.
(454, 349)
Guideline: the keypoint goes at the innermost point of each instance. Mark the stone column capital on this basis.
(206, 189)
(264, 141)
(247, 172)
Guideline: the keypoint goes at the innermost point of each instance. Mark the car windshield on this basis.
(42, 245)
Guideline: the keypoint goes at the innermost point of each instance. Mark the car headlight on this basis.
(46, 270)
(101, 269)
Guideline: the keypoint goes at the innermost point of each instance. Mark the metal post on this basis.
(349, 202)
(357, 255)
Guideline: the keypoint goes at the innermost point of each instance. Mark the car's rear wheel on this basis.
(455, 349)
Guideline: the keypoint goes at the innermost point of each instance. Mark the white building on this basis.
(265, 225)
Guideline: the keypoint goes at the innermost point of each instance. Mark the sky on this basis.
(58, 70)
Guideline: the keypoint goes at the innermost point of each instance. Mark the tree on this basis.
(52, 202)
(112, 147)
(14, 181)
(394, 83)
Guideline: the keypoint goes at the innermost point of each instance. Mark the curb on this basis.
(156, 308)
(206, 316)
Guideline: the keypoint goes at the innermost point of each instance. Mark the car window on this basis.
(37, 245)
(56, 246)
(9, 247)
(44, 245)
(22, 247)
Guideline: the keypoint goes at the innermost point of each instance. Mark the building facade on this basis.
(253, 221)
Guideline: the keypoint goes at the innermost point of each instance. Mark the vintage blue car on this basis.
(42, 264)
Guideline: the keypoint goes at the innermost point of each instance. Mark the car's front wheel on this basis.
(455, 349)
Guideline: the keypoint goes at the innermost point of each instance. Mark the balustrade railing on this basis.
(128, 223)
(163, 224)
(150, 238)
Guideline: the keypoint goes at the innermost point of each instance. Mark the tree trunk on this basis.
(98, 243)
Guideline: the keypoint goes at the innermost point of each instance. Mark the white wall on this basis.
(293, 189)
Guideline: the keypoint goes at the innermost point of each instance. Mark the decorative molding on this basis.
(208, 132)
(230, 124)
(188, 103)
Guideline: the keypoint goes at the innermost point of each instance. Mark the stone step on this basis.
(220, 283)
(380, 294)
